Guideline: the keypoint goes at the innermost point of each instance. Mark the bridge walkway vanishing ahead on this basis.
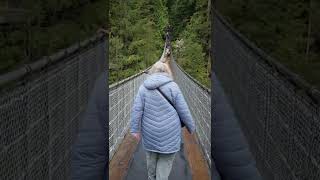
(192, 161)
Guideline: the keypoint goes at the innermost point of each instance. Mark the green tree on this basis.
(136, 24)
(288, 30)
(43, 27)
(138, 27)
(193, 53)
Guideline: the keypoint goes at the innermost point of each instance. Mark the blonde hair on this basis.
(159, 67)
(165, 57)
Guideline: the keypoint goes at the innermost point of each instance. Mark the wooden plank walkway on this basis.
(119, 164)
(197, 162)
(129, 161)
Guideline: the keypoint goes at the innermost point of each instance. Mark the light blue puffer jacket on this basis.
(156, 119)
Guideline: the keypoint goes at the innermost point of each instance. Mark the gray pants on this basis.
(159, 165)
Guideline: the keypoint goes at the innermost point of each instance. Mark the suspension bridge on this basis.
(193, 161)
(264, 123)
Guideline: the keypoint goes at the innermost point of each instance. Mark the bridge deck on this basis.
(129, 162)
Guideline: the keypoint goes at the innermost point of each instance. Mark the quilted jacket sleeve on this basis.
(137, 112)
(184, 112)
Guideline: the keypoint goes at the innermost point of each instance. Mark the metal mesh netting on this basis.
(198, 99)
(280, 121)
(121, 96)
(40, 115)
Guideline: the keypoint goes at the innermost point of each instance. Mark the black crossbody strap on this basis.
(182, 124)
(165, 97)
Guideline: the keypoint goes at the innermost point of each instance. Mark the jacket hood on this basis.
(156, 80)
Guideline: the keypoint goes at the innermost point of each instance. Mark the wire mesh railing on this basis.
(121, 96)
(198, 98)
(40, 109)
(278, 112)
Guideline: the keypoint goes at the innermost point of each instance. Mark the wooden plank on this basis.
(119, 164)
(197, 162)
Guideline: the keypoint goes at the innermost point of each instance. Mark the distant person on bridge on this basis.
(159, 107)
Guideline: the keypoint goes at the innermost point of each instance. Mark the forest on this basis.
(31, 29)
(287, 30)
(137, 36)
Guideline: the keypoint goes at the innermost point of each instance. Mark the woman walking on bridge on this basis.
(158, 113)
